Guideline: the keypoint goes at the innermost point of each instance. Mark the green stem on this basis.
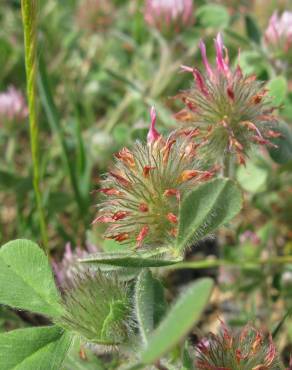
(228, 166)
(29, 18)
(197, 265)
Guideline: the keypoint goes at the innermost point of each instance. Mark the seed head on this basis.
(97, 307)
(247, 350)
(232, 111)
(144, 189)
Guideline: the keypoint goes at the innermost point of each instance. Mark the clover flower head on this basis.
(12, 106)
(232, 111)
(247, 350)
(98, 307)
(166, 15)
(278, 35)
(144, 188)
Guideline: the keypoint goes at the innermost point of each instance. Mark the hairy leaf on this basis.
(150, 303)
(42, 348)
(144, 300)
(26, 279)
(180, 319)
(278, 88)
(154, 258)
(206, 208)
(282, 154)
(160, 304)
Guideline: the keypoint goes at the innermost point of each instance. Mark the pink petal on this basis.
(153, 134)
(222, 66)
(205, 60)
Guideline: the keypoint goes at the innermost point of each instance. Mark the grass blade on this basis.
(29, 18)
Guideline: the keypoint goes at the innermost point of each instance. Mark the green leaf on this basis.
(179, 321)
(26, 279)
(252, 29)
(252, 178)
(160, 304)
(283, 153)
(42, 348)
(251, 62)
(132, 258)
(237, 37)
(214, 16)
(149, 303)
(206, 208)
(278, 88)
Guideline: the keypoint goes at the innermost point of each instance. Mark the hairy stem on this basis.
(29, 18)
(228, 166)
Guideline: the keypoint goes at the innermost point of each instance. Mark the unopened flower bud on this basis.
(97, 307)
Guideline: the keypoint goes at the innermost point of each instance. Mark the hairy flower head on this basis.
(247, 350)
(232, 111)
(97, 307)
(144, 188)
(167, 15)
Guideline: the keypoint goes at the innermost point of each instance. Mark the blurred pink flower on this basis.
(12, 105)
(167, 15)
(66, 269)
(279, 31)
(250, 236)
